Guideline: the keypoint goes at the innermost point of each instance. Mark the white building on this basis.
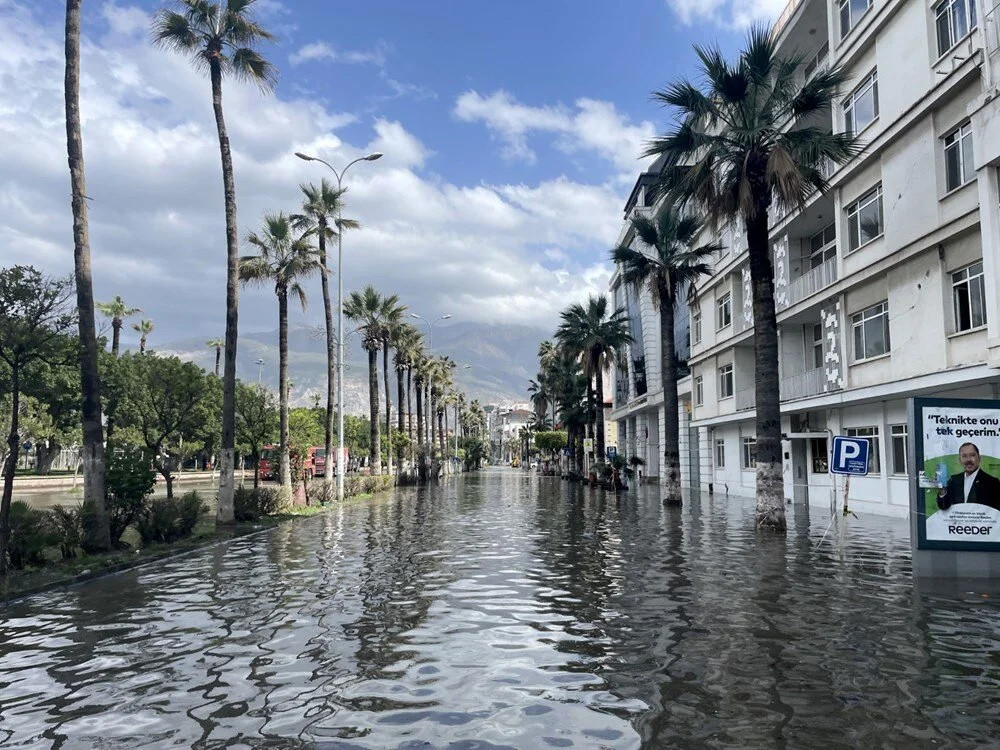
(886, 286)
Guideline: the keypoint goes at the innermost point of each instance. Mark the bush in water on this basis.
(170, 519)
(66, 526)
(29, 536)
(253, 504)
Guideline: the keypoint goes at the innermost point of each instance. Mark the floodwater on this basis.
(507, 610)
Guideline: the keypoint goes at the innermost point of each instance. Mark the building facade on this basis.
(886, 285)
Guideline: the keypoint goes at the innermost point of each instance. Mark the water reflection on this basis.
(509, 610)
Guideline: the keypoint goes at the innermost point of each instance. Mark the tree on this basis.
(305, 430)
(731, 157)
(256, 422)
(163, 401)
(96, 531)
(117, 310)
(35, 311)
(222, 40)
(143, 328)
(321, 207)
(216, 344)
(365, 308)
(595, 336)
(672, 265)
(285, 260)
(392, 317)
(405, 340)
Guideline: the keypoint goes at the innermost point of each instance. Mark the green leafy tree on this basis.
(222, 39)
(305, 431)
(669, 264)
(256, 422)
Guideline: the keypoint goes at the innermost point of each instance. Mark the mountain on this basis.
(502, 358)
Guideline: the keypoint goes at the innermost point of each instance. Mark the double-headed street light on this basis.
(430, 327)
(340, 314)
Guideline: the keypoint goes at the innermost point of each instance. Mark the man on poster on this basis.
(973, 485)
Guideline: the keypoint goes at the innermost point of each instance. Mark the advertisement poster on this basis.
(957, 449)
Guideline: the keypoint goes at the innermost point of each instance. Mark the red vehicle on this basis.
(270, 455)
(319, 462)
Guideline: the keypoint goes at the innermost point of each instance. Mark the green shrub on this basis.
(170, 519)
(321, 492)
(253, 504)
(29, 536)
(130, 480)
(66, 528)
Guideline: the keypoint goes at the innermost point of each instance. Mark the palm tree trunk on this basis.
(409, 415)
(116, 336)
(431, 411)
(227, 452)
(286, 467)
(420, 416)
(671, 422)
(97, 535)
(440, 420)
(388, 407)
(256, 471)
(10, 465)
(218, 355)
(375, 446)
(599, 412)
(331, 355)
(770, 487)
(142, 345)
(589, 430)
(399, 416)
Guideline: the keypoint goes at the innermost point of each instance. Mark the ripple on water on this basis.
(511, 611)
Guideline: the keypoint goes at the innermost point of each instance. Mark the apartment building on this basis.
(885, 285)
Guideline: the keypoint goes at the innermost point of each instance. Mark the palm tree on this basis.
(365, 308)
(539, 394)
(216, 344)
(285, 260)
(221, 39)
(97, 535)
(321, 206)
(672, 265)
(594, 336)
(732, 158)
(392, 317)
(406, 339)
(117, 310)
(143, 328)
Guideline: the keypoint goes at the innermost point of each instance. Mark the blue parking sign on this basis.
(850, 455)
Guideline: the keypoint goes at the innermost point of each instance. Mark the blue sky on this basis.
(512, 132)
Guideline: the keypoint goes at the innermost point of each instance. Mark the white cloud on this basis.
(325, 51)
(727, 13)
(126, 21)
(157, 225)
(592, 125)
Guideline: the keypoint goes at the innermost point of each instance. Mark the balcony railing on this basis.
(746, 399)
(808, 383)
(811, 282)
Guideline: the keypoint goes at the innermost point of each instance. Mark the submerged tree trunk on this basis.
(256, 471)
(375, 446)
(331, 354)
(286, 468)
(431, 411)
(10, 465)
(770, 486)
(671, 422)
(409, 416)
(227, 452)
(599, 412)
(388, 407)
(400, 393)
(97, 534)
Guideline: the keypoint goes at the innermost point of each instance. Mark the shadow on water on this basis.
(511, 610)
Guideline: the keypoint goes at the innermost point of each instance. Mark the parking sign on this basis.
(850, 455)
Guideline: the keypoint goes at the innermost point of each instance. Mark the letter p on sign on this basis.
(850, 455)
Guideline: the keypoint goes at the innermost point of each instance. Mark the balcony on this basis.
(808, 383)
(746, 399)
(810, 283)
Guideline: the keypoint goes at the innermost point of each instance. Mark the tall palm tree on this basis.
(216, 344)
(670, 266)
(143, 328)
(595, 335)
(97, 535)
(392, 317)
(365, 308)
(405, 340)
(284, 259)
(539, 394)
(117, 310)
(731, 157)
(320, 207)
(221, 39)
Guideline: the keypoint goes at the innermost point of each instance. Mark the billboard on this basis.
(956, 473)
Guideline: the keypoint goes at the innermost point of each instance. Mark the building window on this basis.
(699, 390)
(726, 381)
(871, 433)
(969, 292)
(823, 246)
(871, 331)
(724, 310)
(816, 61)
(696, 326)
(959, 167)
(750, 453)
(817, 346)
(720, 453)
(864, 219)
(955, 19)
(861, 107)
(820, 456)
(899, 448)
(850, 13)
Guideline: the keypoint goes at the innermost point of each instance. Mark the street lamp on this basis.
(340, 314)
(260, 369)
(430, 326)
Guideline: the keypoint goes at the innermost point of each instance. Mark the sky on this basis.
(512, 134)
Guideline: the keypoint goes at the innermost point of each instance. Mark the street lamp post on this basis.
(430, 327)
(340, 315)
(260, 369)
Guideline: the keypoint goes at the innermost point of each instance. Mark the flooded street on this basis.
(510, 610)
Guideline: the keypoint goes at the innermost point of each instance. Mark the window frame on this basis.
(849, 103)
(968, 280)
(858, 321)
(725, 302)
(724, 371)
(899, 432)
(696, 330)
(853, 22)
(971, 20)
(872, 435)
(817, 458)
(827, 250)
(817, 346)
(748, 455)
(873, 196)
(959, 136)
(699, 390)
(720, 453)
